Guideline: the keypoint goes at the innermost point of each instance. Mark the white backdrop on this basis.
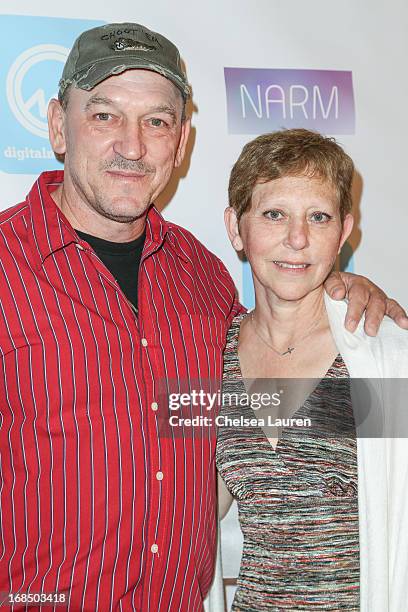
(365, 38)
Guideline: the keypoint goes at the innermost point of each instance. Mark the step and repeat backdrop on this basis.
(254, 66)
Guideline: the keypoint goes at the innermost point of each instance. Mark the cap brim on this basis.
(91, 76)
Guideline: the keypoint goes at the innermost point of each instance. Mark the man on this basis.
(103, 304)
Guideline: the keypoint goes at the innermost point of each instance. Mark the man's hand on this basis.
(363, 295)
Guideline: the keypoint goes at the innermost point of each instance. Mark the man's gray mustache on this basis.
(133, 165)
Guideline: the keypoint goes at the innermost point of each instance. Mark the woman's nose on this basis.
(297, 236)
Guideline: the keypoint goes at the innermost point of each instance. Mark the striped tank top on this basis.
(297, 505)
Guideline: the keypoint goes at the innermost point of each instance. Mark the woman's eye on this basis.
(320, 217)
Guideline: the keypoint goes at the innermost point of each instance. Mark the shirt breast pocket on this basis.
(194, 358)
(203, 338)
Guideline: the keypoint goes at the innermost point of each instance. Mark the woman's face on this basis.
(291, 235)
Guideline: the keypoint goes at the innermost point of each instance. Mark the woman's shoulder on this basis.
(389, 347)
(236, 324)
(231, 346)
(388, 331)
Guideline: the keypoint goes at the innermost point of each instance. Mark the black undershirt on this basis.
(122, 260)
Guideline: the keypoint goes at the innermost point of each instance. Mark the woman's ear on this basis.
(347, 229)
(232, 225)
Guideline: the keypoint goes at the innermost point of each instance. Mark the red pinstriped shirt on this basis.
(95, 501)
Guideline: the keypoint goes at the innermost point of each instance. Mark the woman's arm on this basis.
(224, 498)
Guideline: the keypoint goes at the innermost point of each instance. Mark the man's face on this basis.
(121, 141)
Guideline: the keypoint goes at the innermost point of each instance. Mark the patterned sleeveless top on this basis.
(297, 505)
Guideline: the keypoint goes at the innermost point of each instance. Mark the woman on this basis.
(313, 504)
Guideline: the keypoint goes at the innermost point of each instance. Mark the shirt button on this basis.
(154, 406)
(144, 342)
(159, 475)
(154, 548)
(79, 246)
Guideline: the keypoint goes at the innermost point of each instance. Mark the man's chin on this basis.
(124, 214)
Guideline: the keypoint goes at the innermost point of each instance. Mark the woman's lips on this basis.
(290, 266)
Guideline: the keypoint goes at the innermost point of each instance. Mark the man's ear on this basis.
(232, 225)
(56, 127)
(181, 149)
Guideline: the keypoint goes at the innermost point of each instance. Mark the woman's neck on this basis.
(285, 321)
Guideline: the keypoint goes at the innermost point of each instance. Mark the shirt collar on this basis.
(157, 230)
(51, 231)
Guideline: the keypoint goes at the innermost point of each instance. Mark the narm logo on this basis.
(263, 100)
(299, 98)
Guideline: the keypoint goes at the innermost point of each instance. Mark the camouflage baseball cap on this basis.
(113, 48)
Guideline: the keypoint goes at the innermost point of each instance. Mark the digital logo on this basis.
(32, 63)
(23, 109)
(263, 100)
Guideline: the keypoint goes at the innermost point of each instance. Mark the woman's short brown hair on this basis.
(296, 152)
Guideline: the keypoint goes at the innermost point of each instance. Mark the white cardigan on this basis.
(382, 462)
(382, 465)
